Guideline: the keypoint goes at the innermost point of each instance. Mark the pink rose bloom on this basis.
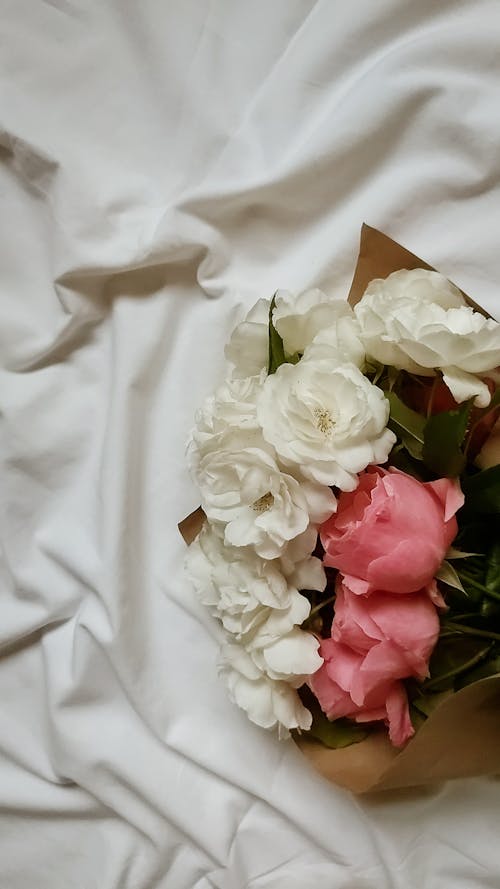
(392, 532)
(396, 633)
(339, 693)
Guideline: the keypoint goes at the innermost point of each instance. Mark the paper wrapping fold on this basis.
(379, 256)
(461, 738)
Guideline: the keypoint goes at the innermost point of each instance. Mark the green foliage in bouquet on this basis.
(277, 354)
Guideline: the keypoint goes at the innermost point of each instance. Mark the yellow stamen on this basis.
(324, 421)
(263, 503)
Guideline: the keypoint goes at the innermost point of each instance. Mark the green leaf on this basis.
(490, 607)
(453, 656)
(406, 424)
(293, 359)
(490, 610)
(453, 553)
(480, 575)
(401, 459)
(426, 704)
(416, 717)
(339, 733)
(482, 491)
(492, 579)
(488, 668)
(443, 437)
(473, 583)
(449, 576)
(276, 348)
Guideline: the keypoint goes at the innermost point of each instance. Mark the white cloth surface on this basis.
(164, 163)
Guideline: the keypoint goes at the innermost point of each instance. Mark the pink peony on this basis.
(392, 532)
(338, 691)
(377, 641)
(397, 634)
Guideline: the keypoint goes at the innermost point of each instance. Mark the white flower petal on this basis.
(321, 501)
(418, 321)
(289, 709)
(233, 580)
(308, 574)
(339, 342)
(243, 488)
(248, 348)
(293, 655)
(326, 419)
(267, 702)
(463, 386)
(299, 318)
(298, 549)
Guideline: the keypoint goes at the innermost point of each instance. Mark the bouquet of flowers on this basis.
(348, 537)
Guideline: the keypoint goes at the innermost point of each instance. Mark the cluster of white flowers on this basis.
(265, 452)
(418, 321)
(268, 448)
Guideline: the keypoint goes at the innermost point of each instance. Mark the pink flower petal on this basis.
(382, 664)
(435, 596)
(449, 493)
(398, 716)
(393, 532)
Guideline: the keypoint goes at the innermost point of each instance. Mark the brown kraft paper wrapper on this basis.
(461, 738)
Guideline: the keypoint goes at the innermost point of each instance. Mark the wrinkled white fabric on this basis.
(163, 165)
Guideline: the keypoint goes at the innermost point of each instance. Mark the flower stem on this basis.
(479, 586)
(456, 670)
(471, 631)
(431, 396)
(458, 618)
(320, 606)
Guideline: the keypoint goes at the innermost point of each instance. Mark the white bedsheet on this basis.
(163, 164)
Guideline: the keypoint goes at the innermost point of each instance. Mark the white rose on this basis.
(243, 488)
(271, 624)
(291, 657)
(308, 574)
(301, 569)
(267, 702)
(341, 342)
(234, 404)
(249, 595)
(233, 578)
(248, 347)
(328, 420)
(298, 319)
(418, 321)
